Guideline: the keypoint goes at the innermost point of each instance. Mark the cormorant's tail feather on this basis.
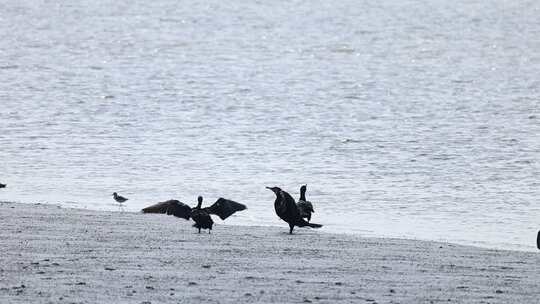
(303, 223)
(312, 225)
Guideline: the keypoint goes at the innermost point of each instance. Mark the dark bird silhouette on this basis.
(120, 199)
(304, 206)
(538, 240)
(2, 185)
(287, 210)
(201, 216)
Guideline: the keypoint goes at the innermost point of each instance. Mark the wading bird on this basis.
(120, 199)
(287, 210)
(201, 216)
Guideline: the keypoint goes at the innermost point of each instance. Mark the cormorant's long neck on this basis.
(278, 199)
(303, 195)
(279, 203)
(199, 202)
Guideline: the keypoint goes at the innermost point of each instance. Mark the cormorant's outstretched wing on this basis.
(170, 207)
(224, 208)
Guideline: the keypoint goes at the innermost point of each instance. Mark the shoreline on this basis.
(476, 244)
(56, 254)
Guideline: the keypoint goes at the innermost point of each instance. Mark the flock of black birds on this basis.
(286, 208)
(293, 213)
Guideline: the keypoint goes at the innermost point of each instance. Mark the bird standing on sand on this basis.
(287, 210)
(120, 199)
(201, 216)
(2, 185)
(304, 206)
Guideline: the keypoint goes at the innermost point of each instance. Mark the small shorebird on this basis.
(2, 185)
(120, 199)
(201, 216)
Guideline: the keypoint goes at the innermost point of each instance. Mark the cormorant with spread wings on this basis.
(201, 216)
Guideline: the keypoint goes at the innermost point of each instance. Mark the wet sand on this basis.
(56, 255)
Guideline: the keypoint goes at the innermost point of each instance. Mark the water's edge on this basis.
(322, 230)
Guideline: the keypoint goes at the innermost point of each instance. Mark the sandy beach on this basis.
(57, 255)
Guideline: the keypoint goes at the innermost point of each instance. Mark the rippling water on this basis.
(415, 119)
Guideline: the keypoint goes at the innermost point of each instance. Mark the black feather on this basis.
(224, 208)
(170, 207)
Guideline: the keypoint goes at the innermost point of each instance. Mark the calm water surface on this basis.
(416, 119)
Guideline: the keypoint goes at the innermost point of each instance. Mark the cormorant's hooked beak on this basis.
(273, 189)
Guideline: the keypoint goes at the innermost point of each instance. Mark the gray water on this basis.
(415, 119)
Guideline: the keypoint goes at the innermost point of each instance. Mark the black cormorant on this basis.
(119, 198)
(201, 216)
(287, 210)
(2, 185)
(304, 206)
